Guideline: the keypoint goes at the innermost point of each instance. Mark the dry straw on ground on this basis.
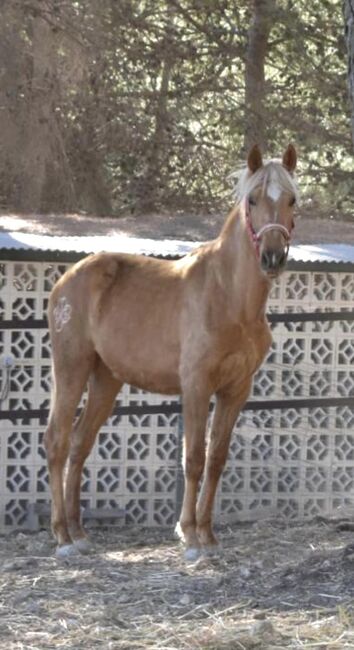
(273, 587)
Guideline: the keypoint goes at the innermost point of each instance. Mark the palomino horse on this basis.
(195, 326)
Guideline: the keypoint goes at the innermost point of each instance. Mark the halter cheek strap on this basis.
(256, 237)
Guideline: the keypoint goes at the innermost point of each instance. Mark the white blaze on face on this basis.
(274, 189)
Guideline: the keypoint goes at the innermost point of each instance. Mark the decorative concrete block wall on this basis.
(287, 459)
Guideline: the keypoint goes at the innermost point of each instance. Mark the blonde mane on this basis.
(272, 171)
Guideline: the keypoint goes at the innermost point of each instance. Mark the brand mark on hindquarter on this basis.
(62, 313)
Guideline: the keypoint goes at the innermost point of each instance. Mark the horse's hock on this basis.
(291, 453)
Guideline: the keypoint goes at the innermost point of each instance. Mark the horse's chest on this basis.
(240, 356)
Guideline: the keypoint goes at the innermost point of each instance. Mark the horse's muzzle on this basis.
(273, 260)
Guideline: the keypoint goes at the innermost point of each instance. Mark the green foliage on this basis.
(149, 109)
(307, 74)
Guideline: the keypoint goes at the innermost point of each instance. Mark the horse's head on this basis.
(269, 193)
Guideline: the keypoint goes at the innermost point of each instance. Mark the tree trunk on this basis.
(153, 179)
(255, 91)
(348, 9)
(38, 128)
(12, 102)
(34, 170)
(149, 187)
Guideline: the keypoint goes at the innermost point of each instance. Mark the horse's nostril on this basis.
(266, 260)
(282, 258)
(272, 260)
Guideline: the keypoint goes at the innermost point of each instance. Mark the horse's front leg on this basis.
(228, 406)
(195, 414)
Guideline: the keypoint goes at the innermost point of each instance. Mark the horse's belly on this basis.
(146, 366)
(155, 382)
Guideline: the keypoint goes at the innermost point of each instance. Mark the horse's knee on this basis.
(216, 464)
(217, 454)
(56, 445)
(193, 466)
(49, 443)
(77, 456)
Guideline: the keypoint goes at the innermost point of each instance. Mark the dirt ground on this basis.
(158, 226)
(274, 586)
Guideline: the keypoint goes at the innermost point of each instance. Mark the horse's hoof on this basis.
(214, 550)
(65, 551)
(83, 545)
(192, 554)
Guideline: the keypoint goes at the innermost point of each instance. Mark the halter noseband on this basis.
(256, 237)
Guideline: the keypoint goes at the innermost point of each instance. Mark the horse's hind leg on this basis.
(102, 391)
(70, 376)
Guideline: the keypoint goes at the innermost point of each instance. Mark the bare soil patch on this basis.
(191, 227)
(275, 586)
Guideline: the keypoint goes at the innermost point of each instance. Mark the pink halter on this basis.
(256, 237)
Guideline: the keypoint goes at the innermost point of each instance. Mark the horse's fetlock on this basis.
(186, 525)
(206, 535)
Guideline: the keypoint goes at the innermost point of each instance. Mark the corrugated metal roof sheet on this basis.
(322, 253)
(95, 244)
(314, 253)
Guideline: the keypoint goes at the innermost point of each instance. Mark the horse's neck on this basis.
(246, 287)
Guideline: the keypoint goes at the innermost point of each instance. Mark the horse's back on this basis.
(93, 282)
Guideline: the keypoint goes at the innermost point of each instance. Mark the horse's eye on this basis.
(252, 200)
(292, 201)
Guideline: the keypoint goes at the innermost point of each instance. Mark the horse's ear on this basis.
(290, 158)
(254, 160)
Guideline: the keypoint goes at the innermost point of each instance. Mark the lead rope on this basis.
(5, 388)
